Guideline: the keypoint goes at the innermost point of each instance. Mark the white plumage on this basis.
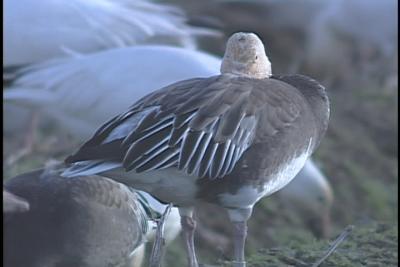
(310, 195)
(310, 189)
(39, 30)
(172, 227)
(354, 36)
(84, 91)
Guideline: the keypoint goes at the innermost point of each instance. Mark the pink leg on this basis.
(188, 228)
(239, 219)
(239, 235)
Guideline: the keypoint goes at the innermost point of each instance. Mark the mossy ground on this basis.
(373, 244)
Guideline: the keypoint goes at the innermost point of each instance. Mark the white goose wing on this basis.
(353, 34)
(39, 30)
(310, 189)
(83, 92)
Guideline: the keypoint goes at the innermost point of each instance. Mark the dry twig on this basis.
(334, 245)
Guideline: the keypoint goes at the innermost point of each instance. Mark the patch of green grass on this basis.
(374, 244)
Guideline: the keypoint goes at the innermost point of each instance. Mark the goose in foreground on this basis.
(88, 221)
(36, 31)
(229, 139)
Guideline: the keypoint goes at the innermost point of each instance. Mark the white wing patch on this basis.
(123, 129)
(172, 142)
(283, 176)
(89, 167)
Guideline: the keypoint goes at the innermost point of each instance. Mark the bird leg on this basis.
(188, 227)
(159, 243)
(239, 239)
(239, 219)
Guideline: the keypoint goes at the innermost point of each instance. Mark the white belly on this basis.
(248, 195)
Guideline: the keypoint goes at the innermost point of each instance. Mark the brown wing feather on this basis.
(202, 126)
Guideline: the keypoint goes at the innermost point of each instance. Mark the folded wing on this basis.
(201, 126)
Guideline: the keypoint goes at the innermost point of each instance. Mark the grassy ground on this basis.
(367, 245)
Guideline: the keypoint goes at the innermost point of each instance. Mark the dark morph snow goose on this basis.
(229, 139)
(87, 222)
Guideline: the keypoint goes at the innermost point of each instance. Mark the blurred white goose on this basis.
(84, 91)
(282, 24)
(39, 30)
(310, 195)
(80, 92)
(351, 36)
(35, 31)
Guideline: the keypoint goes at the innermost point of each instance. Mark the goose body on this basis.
(229, 139)
(82, 222)
(166, 180)
(88, 221)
